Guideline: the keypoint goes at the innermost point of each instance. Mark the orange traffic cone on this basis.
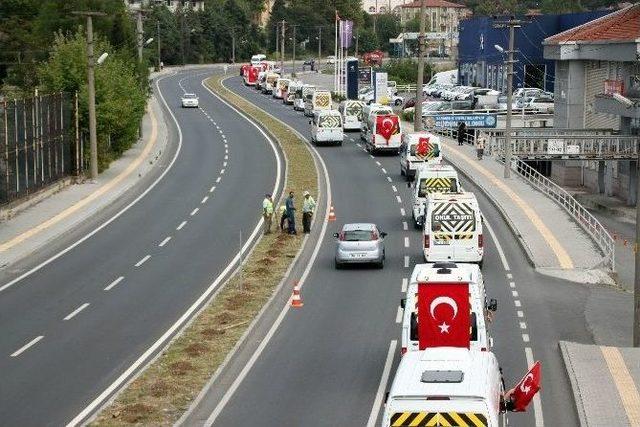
(296, 299)
(332, 214)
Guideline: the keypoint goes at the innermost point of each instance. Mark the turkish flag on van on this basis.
(443, 315)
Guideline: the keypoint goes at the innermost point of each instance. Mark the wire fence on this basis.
(39, 143)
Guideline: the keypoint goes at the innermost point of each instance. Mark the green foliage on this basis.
(387, 27)
(367, 40)
(405, 71)
(565, 6)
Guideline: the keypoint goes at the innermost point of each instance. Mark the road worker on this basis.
(267, 212)
(308, 206)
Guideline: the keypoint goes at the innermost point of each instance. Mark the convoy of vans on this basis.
(281, 88)
(352, 114)
(317, 100)
(418, 148)
(431, 179)
(326, 127)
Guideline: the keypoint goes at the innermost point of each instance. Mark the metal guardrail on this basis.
(570, 147)
(406, 88)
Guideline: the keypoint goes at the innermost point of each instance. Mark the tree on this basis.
(367, 40)
(556, 7)
(387, 27)
(500, 7)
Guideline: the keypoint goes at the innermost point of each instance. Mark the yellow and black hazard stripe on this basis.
(464, 236)
(443, 236)
(438, 185)
(429, 419)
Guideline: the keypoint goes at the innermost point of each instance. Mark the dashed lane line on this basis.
(218, 179)
(26, 347)
(165, 241)
(405, 226)
(143, 260)
(523, 325)
(406, 261)
(389, 179)
(182, 224)
(517, 303)
(512, 284)
(195, 211)
(393, 187)
(399, 315)
(114, 283)
(221, 171)
(399, 199)
(212, 189)
(405, 283)
(509, 276)
(406, 242)
(520, 313)
(75, 312)
(402, 212)
(204, 200)
(514, 294)
(384, 171)
(525, 337)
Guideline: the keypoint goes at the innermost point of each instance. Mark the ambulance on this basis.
(352, 114)
(450, 273)
(418, 148)
(453, 228)
(326, 127)
(319, 100)
(446, 386)
(281, 88)
(302, 92)
(431, 179)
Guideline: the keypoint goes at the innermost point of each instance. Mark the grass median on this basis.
(164, 391)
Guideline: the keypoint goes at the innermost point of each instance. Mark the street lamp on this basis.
(149, 41)
(507, 133)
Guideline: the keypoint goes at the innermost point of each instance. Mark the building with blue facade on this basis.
(479, 63)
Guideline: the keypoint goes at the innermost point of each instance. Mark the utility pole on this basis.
(233, 45)
(512, 23)
(91, 86)
(282, 47)
(319, 44)
(356, 48)
(139, 34)
(636, 288)
(277, 39)
(182, 37)
(417, 110)
(293, 58)
(158, 35)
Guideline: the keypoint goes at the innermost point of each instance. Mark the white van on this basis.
(432, 179)
(301, 94)
(368, 111)
(291, 93)
(419, 148)
(319, 100)
(269, 82)
(257, 59)
(446, 386)
(450, 273)
(453, 228)
(326, 127)
(383, 133)
(444, 77)
(352, 113)
(281, 88)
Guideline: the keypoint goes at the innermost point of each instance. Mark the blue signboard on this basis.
(470, 120)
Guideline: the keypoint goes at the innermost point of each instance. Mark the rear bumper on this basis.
(466, 256)
(351, 126)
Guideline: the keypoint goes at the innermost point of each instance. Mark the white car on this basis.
(189, 100)
(539, 104)
(331, 59)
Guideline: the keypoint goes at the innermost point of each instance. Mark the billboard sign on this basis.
(380, 91)
(364, 76)
(470, 120)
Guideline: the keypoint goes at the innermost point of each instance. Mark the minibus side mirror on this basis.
(383, 234)
(409, 184)
(309, 121)
(386, 397)
(403, 303)
(336, 235)
(493, 305)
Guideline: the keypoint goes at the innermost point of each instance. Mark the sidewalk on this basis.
(36, 222)
(605, 383)
(554, 243)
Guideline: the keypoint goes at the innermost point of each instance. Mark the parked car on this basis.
(309, 61)
(530, 92)
(360, 243)
(189, 100)
(331, 59)
(539, 104)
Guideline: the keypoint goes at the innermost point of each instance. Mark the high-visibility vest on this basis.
(267, 206)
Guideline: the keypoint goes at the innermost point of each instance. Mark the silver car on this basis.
(360, 243)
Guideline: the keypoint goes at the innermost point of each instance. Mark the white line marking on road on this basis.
(512, 284)
(405, 283)
(165, 241)
(503, 258)
(226, 157)
(525, 337)
(204, 200)
(398, 199)
(399, 314)
(393, 187)
(26, 346)
(384, 171)
(195, 211)
(523, 325)
(517, 303)
(537, 403)
(402, 212)
(182, 224)
(222, 171)
(377, 402)
(520, 314)
(358, 144)
(509, 276)
(406, 261)
(514, 294)
(213, 187)
(378, 163)
(224, 164)
(389, 179)
(76, 311)
(114, 283)
(218, 179)
(143, 260)
(405, 226)
(371, 155)
(406, 242)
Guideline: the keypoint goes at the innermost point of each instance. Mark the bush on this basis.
(405, 71)
(408, 115)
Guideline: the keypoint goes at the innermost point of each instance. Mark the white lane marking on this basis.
(406, 261)
(384, 171)
(378, 163)
(405, 283)
(213, 187)
(222, 171)
(389, 179)
(115, 385)
(402, 212)
(358, 144)
(509, 276)
(114, 283)
(523, 325)
(525, 337)
(25, 347)
(503, 258)
(406, 242)
(218, 179)
(514, 294)
(118, 214)
(226, 157)
(76, 311)
(377, 402)
(224, 164)
(517, 303)
(537, 403)
(204, 200)
(165, 241)
(143, 260)
(520, 314)
(182, 224)
(398, 199)
(195, 211)
(405, 226)
(371, 155)
(393, 187)
(512, 284)
(399, 314)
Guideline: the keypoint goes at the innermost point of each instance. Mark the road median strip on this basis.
(166, 388)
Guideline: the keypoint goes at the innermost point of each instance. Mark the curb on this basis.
(17, 206)
(577, 398)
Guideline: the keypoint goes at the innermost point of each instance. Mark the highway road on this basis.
(72, 328)
(324, 364)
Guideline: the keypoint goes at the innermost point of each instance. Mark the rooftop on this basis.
(620, 26)
(433, 3)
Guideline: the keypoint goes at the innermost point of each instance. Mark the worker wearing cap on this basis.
(267, 212)
(308, 206)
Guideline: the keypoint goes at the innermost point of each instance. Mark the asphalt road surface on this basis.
(324, 365)
(101, 305)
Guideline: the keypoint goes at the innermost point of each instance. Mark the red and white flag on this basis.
(443, 315)
(423, 147)
(527, 388)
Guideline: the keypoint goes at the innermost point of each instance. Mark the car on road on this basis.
(189, 100)
(331, 59)
(360, 243)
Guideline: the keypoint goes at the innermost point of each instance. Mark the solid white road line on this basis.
(195, 211)
(114, 283)
(25, 347)
(520, 313)
(517, 303)
(406, 242)
(165, 241)
(399, 315)
(405, 283)
(503, 258)
(182, 224)
(212, 189)
(402, 212)
(204, 200)
(377, 402)
(393, 187)
(143, 260)
(76, 311)
(398, 199)
(405, 226)
(406, 261)
(537, 403)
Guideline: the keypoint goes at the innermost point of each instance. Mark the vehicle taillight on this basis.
(374, 235)
(480, 240)
(373, 139)
(426, 241)
(341, 236)
(403, 350)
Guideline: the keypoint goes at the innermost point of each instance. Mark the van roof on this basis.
(448, 272)
(478, 369)
(455, 197)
